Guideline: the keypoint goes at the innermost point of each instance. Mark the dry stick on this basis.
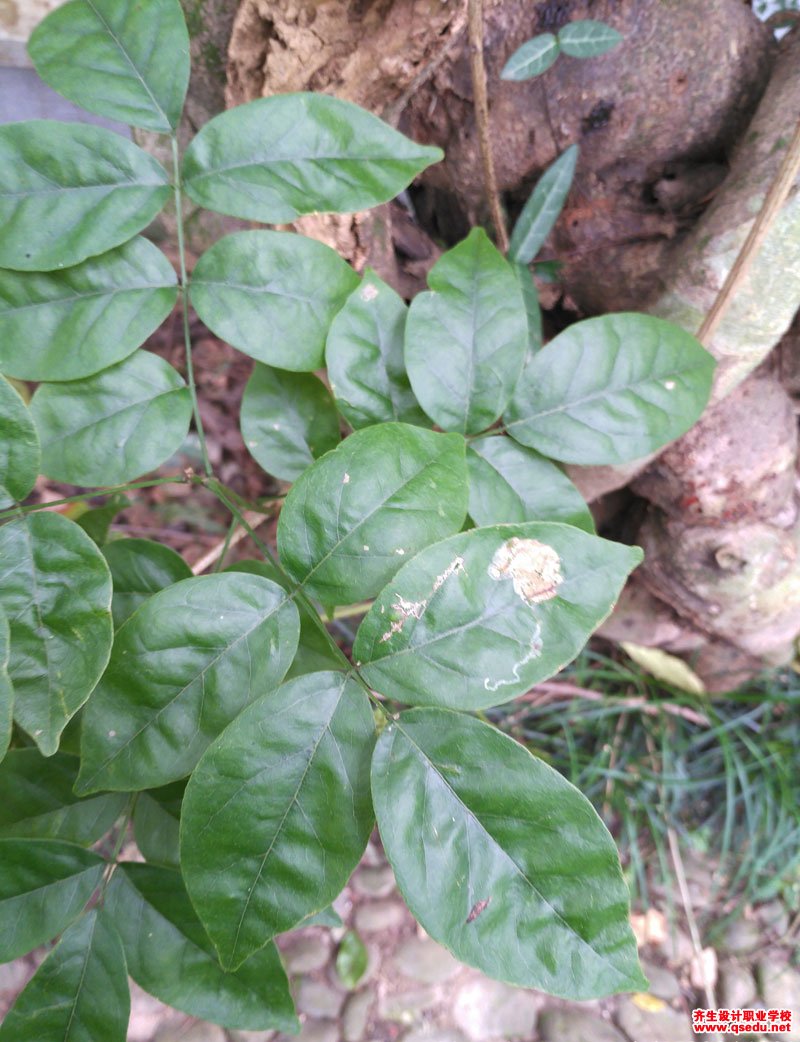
(253, 519)
(680, 876)
(556, 689)
(475, 17)
(694, 933)
(775, 198)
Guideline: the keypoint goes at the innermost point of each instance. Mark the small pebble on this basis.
(380, 915)
(356, 1015)
(307, 953)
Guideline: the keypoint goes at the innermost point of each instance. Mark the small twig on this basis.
(556, 688)
(475, 18)
(252, 518)
(694, 933)
(184, 284)
(775, 198)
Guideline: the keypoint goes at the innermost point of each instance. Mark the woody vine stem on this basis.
(481, 98)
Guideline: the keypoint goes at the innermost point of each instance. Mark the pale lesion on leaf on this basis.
(406, 609)
(534, 569)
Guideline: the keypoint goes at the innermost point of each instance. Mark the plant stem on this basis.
(481, 100)
(187, 339)
(295, 590)
(32, 507)
(235, 535)
(775, 198)
(123, 830)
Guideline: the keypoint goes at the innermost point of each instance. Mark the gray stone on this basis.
(780, 989)
(424, 960)
(356, 1015)
(743, 935)
(375, 881)
(406, 1007)
(252, 1036)
(485, 1009)
(663, 1025)
(572, 1025)
(15, 975)
(737, 986)
(373, 855)
(663, 983)
(314, 1031)
(677, 947)
(307, 953)
(318, 999)
(343, 905)
(774, 917)
(432, 1034)
(148, 1016)
(380, 915)
(198, 1032)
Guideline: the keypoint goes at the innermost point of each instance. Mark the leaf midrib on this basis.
(132, 64)
(429, 463)
(518, 868)
(607, 392)
(162, 709)
(60, 301)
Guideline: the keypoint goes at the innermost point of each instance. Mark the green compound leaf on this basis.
(277, 158)
(541, 211)
(272, 295)
(288, 420)
(183, 666)
(467, 338)
(156, 821)
(479, 618)
(531, 59)
(314, 652)
(71, 191)
(119, 58)
(37, 800)
(278, 812)
(587, 38)
(55, 588)
(170, 956)
(364, 356)
(115, 426)
(6, 694)
(20, 457)
(354, 516)
(44, 884)
(80, 992)
(140, 568)
(64, 325)
(501, 859)
(510, 483)
(611, 389)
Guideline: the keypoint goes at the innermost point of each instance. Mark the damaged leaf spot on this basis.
(415, 609)
(369, 292)
(533, 567)
(477, 909)
(534, 651)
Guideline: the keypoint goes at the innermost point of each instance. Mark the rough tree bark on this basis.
(663, 199)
